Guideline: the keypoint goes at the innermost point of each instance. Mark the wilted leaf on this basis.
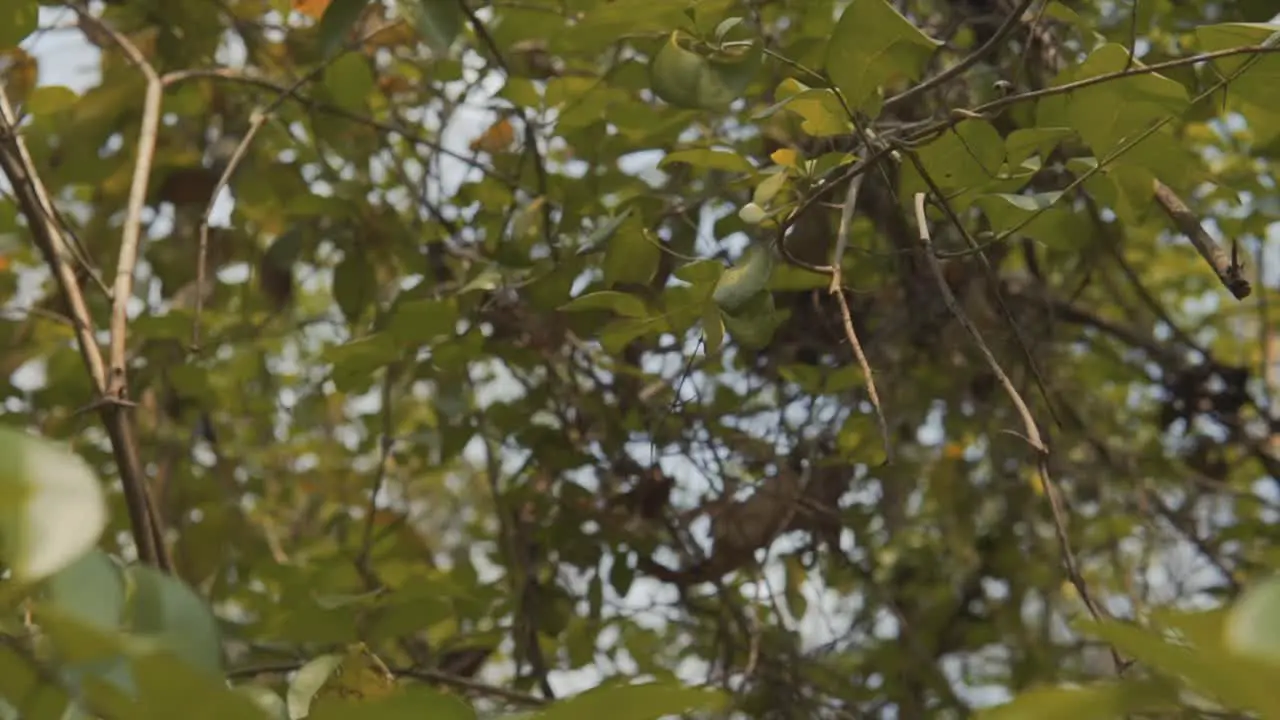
(498, 137)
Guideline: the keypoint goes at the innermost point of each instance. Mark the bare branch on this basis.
(1226, 266)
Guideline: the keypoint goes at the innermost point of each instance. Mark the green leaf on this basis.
(52, 508)
(348, 81)
(687, 79)
(354, 286)
(1023, 143)
(603, 232)
(438, 22)
(1005, 211)
(1097, 702)
(712, 328)
(308, 681)
(619, 302)
(50, 99)
(753, 324)
(418, 322)
(819, 109)
(91, 590)
(745, 279)
(606, 21)
(164, 609)
(1237, 681)
(873, 44)
(708, 159)
(789, 277)
(22, 683)
(1202, 628)
(701, 272)
(1257, 84)
(1253, 625)
(271, 704)
(971, 154)
(1107, 113)
(414, 702)
(618, 334)
(166, 685)
(645, 701)
(631, 257)
(769, 188)
(18, 19)
(753, 214)
(355, 363)
(337, 21)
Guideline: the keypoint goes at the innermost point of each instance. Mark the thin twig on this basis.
(530, 133)
(993, 281)
(256, 120)
(1032, 432)
(1057, 505)
(842, 234)
(233, 75)
(432, 676)
(836, 288)
(386, 443)
(866, 372)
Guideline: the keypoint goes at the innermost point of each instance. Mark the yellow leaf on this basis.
(311, 8)
(953, 451)
(499, 137)
(1037, 482)
(18, 71)
(785, 157)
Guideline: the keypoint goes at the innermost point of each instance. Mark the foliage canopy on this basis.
(750, 358)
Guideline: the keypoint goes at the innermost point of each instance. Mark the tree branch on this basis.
(1226, 266)
(34, 200)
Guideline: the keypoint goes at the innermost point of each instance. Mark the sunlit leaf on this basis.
(52, 508)
(745, 279)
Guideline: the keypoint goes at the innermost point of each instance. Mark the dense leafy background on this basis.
(515, 371)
